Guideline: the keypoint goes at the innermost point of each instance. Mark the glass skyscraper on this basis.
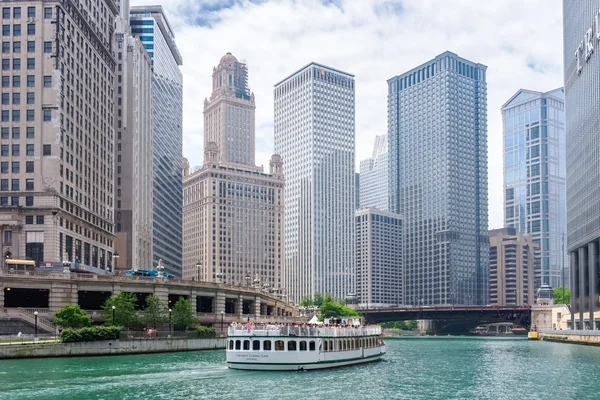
(582, 100)
(150, 25)
(314, 134)
(374, 177)
(534, 176)
(437, 133)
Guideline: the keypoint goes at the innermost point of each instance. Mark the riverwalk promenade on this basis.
(585, 337)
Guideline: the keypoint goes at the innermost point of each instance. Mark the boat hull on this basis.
(304, 366)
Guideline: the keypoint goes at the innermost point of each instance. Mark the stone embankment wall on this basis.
(591, 338)
(105, 348)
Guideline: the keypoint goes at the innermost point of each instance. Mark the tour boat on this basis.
(299, 347)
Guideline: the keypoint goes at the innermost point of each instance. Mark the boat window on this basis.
(231, 345)
(302, 345)
(279, 345)
(357, 343)
(256, 345)
(292, 345)
(238, 344)
(267, 345)
(325, 347)
(332, 344)
(311, 346)
(246, 345)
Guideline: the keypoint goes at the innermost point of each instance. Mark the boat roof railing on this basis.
(302, 330)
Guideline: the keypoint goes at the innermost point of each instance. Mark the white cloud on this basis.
(520, 42)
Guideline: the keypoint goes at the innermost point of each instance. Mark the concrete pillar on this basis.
(219, 302)
(240, 307)
(116, 290)
(582, 289)
(257, 306)
(573, 265)
(592, 281)
(162, 292)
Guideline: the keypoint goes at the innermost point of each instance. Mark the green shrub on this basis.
(90, 334)
(205, 331)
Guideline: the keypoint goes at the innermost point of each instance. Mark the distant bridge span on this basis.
(519, 315)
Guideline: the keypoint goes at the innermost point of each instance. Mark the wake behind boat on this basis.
(287, 347)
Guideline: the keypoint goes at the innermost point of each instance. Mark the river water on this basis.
(414, 368)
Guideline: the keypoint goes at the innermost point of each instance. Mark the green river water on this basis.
(414, 368)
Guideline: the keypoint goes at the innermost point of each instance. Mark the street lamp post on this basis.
(116, 257)
(170, 313)
(35, 314)
(222, 316)
(113, 308)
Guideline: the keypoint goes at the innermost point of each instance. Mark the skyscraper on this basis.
(437, 132)
(314, 134)
(582, 79)
(57, 136)
(534, 176)
(150, 25)
(378, 257)
(229, 115)
(514, 260)
(374, 177)
(133, 151)
(233, 212)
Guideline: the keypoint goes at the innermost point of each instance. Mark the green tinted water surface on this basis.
(414, 368)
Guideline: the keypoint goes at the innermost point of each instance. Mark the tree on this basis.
(336, 309)
(154, 314)
(318, 299)
(124, 311)
(183, 315)
(72, 316)
(562, 295)
(306, 301)
(411, 325)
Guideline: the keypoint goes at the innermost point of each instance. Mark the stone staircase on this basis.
(27, 315)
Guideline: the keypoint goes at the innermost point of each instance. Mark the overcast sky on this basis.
(519, 40)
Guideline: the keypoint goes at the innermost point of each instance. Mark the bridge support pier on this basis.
(219, 302)
(257, 307)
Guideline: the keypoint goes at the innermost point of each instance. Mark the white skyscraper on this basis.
(314, 134)
(374, 177)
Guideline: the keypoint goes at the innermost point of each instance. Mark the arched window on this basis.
(231, 345)
(246, 345)
(256, 345)
(267, 345)
(238, 344)
(312, 346)
(279, 345)
(303, 345)
(292, 345)
(325, 345)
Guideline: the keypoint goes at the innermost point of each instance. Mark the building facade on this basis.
(378, 258)
(314, 134)
(374, 173)
(57, 136)
(229, 114)
(514, 262)
(133, 151)
(233, 211)
(437, 132)
(582, 80)
(150, 25)
(534, 176)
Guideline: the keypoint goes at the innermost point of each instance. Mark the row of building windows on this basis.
(16, 29)
(30, 115)
(15, 185)
(16, 81)
(16, 47)
(29, 150)
(31, 12)
(14, 201)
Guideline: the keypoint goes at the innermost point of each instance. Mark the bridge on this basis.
(452, 319)
(24, 292)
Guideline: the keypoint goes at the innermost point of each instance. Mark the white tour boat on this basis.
(267, 347)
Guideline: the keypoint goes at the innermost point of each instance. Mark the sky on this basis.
(520, 41)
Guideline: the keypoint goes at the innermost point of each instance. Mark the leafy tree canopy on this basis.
(183, 315)
(72, 316)
(124, 312)
(562, 295)
(154, 314)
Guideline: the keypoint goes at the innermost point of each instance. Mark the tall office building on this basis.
(57, 137)
(582, 80)
(514, 262)
(229, 114)
(133, 151)
(357, 190)
(233, 212)
(314, 134)
(378, 257)
(534, 176)
(374, 173)
(437, 132)
(150, 25)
